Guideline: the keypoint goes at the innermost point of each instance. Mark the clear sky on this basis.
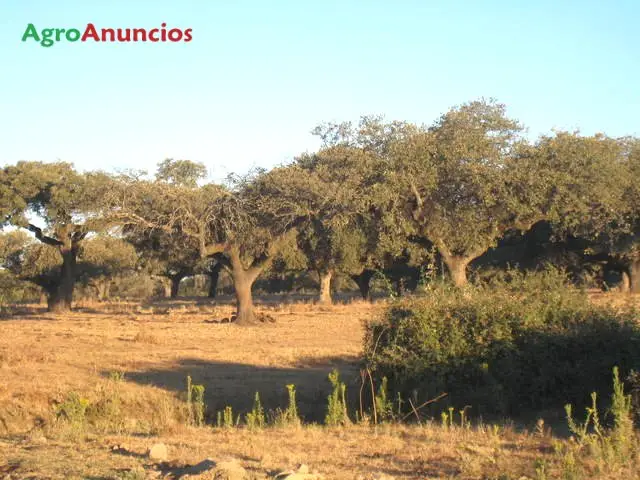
(259, 75)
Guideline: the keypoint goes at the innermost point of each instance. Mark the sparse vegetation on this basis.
(73, 409)
(337, 403)
(383, 405)
(255, 418)
(288, 417)
(195, 403)
(124, 403)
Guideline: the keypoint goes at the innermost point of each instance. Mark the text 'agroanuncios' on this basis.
(49, 36)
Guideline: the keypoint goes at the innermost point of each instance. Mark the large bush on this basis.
(523, 342)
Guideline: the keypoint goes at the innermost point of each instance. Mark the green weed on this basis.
(337, 405)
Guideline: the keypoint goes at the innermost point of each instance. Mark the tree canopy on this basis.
(376, 196)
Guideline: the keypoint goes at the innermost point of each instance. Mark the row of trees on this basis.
(375, 194)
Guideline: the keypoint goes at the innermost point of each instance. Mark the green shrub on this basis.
(198, 405)
(106, 413)
(609, 450)
(289, 416)
(225, 418)
(523, 341)
(73, 409)
(255, 418)
(195, 403)
(384, 406)
(337, 404)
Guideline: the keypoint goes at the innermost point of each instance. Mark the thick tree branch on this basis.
(43, 238)
(416, 194)
(213, 249)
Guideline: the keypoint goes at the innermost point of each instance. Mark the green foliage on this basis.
(181, 172)
(15, 290)
(106, 413)
(104, 258)
(386, 284)
(73, 409)
(255, 418)
(520, 343)
(196, 407)
(133, 474)
(289, 416)
(384, 405)
(28, 260)
(225, 418)
(337, 405)
(611, 448)
(458, 181)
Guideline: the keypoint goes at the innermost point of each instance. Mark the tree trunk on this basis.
(61, 296)
(214, 276)
(103, 287)
(363, 280)
(57, 302)
(242, 283)
(625, 283)
(166, 286)
(457, 267)
(634, 276)
(243, 279)
(175, 285)
(325, 287)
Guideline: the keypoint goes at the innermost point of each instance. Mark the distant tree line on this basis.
(391, 197)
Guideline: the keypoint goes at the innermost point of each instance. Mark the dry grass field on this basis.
(45, 357)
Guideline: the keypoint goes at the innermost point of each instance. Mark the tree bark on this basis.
(166, 286)
(175, 285)
(242, 283)
(57, 302)
(457, 264)
(214, 276)
(325, 287)
(363, 280)
(625, 283)
(634, 275)
(103, 287)
(243, 279)
(457, 267)
(60, 297)
(67, 241)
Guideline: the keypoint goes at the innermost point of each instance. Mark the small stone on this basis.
(230, 470)
(158, 452)
(305, 475)
(40, 440)
(303, 468)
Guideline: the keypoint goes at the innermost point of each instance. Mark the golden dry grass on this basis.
(43, 357)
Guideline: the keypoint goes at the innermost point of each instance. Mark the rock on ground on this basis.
(158, 452)
(230, 470)
(302, 473)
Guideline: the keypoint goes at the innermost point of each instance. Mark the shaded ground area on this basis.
(234, 384)
(43, 356)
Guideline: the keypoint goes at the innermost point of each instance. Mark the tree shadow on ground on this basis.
(235, 384)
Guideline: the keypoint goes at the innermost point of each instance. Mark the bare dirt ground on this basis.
(44, 357)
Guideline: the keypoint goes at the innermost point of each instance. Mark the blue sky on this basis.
(259, 75)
